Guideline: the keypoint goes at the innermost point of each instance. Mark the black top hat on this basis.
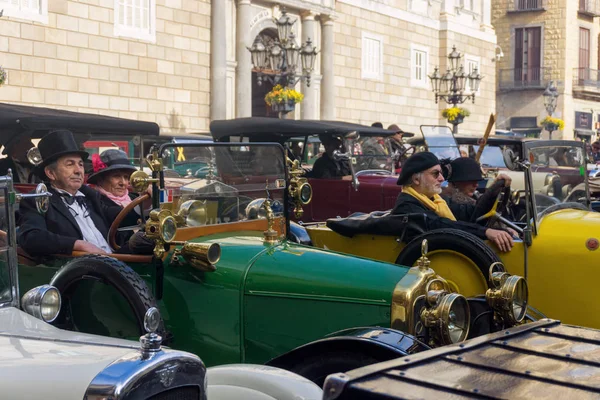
(464, 169)
(416, 163)
(55, 145)
(109, 160)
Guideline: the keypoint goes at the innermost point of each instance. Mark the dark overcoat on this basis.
(56, 231)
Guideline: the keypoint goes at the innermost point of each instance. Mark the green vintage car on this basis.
(234, 285)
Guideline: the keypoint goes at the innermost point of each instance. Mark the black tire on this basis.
(451, 239)
(317, 367)
(110, 272)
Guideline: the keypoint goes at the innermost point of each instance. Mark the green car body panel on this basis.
(262, 301)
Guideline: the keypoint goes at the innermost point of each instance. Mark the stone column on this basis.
(308, 32)
(243, 73)
(218, 61)
(327, 83)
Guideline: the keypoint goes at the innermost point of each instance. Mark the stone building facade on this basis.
(544, 41)
(182, 63)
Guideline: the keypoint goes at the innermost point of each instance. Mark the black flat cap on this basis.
(416, 163)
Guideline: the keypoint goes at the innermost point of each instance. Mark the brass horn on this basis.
(203, 256)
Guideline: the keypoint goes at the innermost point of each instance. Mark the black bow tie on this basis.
(82, 200)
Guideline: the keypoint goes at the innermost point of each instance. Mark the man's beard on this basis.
(432, 189)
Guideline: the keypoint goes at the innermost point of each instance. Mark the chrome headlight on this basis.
(509, 297)
(43, 302)
(448, 316)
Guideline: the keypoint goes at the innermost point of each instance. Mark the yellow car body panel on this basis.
(564, 263)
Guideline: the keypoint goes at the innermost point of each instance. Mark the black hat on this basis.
(55, 145)
(15, 139)
(464, 169)
(416, 163)
(109, 160)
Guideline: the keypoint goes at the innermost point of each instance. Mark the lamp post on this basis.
(550, 99)
(279, 61)
(451, 86)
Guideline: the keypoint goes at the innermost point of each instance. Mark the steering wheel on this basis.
(112, 232)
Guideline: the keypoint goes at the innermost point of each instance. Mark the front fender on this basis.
(380, 343)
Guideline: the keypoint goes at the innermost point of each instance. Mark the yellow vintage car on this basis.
(557, 251)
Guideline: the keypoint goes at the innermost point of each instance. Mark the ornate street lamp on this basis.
(550, 100)
(278, 62)
(451, 86)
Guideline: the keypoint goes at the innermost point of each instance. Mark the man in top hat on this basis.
(15, 150)
(326, 167)
(76, 218)
(421, 179)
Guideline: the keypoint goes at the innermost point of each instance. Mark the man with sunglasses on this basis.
(421, 180)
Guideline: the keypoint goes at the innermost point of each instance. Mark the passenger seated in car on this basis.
(76, 218)
(421, 180)
(326, 167)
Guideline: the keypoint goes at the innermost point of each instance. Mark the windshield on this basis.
(491, 156)
(228, 182)
(370, 153)
(5, 267)
(558, 173)
(440, 141)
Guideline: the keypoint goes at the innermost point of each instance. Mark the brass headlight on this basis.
(305, 193)
(509, 297)
(43, 302)
(448, 317)
(168, 229)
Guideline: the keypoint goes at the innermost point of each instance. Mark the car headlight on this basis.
(448, 316)
(509, 297)
(43, 302)
(168, 229)
(305, 193)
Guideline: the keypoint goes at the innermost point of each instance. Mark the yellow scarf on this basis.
(438, 205)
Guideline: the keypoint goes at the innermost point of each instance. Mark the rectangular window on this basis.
(468, 5)
(584, 54)
(524, 5)
(419, 60)
(135, 19)
(372, 56)
(471, 63)
(528, 51)
(32, 10)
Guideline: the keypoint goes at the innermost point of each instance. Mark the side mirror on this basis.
(42, 201)
(510, 159)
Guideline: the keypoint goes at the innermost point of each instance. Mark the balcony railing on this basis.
(527, 5)
(589, 7)
(524, 78)
(585, 79)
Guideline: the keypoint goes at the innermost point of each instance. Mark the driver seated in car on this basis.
(421, 179)
(76, 219)
(463, 175)
(326, 166)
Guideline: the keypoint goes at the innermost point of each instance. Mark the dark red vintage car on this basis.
(372, 185)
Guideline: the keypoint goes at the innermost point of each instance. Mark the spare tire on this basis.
(469, 254)
(104, 296)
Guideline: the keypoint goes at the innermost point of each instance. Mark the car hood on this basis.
(291, 269)
(38, 360)
(579, 223)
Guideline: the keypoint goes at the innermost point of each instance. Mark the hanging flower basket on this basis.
(455, 115)
(283, 99)
(553, 124)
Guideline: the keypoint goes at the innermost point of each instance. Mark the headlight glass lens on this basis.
(305, 193)
(168, 229)
(50, 305)
(519, 298)
(457, 318)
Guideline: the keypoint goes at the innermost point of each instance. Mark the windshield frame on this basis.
(160, 175)
(533, 144)
(451, 146)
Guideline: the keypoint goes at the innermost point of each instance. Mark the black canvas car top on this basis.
(261, 129)
(15, 119)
